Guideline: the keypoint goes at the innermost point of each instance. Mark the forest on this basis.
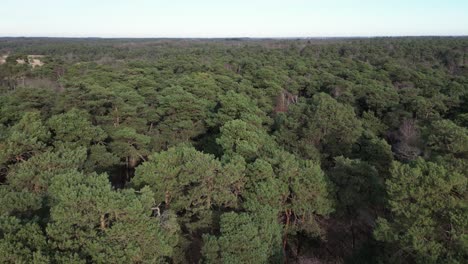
(334, 150)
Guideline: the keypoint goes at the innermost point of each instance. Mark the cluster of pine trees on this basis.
(234, 151)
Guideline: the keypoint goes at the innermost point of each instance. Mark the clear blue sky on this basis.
(232, 18)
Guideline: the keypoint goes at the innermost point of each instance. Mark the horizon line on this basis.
(240, 37)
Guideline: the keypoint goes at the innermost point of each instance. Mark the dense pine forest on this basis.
(234, 150)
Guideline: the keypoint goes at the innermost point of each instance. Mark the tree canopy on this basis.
(234, 150)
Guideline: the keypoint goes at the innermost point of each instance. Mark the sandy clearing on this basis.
(3, 59)
(33, 60)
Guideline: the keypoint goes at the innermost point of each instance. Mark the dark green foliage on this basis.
(182, 117)
(324, 124)
(428, 203)
(74, 129)
(90, 220)
(22, 242)
(245, 238)
(189, 181)
(234, 151)
(357, 183)
(238, 106)
(445, 137)
(25, 138)
(86, 220)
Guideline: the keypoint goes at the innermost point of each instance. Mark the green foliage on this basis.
(88, 218)
(428, 203)
(36, 173)
(22, 242)
(325, 124)
(357, 184)
(377, 98)
(446, 137)
(333, 126)
(130, 145)
(181, 117)
(301, 136)
(240, 138)
(376, 151)
(244, 238)
(190, 182)
(372, 123)
(25, 191)
(25, 138)
(233, 106)
(74, 129)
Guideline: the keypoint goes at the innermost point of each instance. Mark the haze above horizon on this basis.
(227, 19)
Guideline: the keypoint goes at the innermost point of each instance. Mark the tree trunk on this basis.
(103, 221)
(285, 236)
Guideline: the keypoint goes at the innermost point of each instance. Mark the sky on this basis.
(232, 18)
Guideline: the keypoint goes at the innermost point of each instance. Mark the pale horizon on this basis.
(240, 19)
